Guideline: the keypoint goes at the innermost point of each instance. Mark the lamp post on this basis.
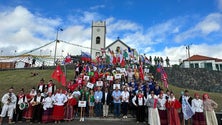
(188, 52)
(56, 41)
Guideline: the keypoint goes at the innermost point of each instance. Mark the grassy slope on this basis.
(24, 79)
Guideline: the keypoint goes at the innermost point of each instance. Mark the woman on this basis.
(152, 104)
(197, 105)
(58, 111)
(28, 112)
(125, 102)
(172, 106)
(209, 106)
(47, 109)
(91, 103)
(69, 113)
(162, 109)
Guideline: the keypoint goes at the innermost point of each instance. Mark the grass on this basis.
(24, 79)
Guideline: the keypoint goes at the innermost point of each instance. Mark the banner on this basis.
(186, 109)
(82, 104)
(118, 76)
(110, 78)
(86, 78)
(99, 83)
(116, 85)
(90, 85)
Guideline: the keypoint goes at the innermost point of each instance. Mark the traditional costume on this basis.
(209, 106)
(51, 87)
(22, 104)
(36, 103)
(139, 101)
(28, 112)
(47, 109)
(58, 111)
(198, 118)
(162, 111)
(153, 117)
(69, 112)
(172, 106)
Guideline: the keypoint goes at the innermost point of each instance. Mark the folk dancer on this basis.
(69, 112)
(139, 101)
(58, 111)
(162, 109)
(172, 106)
(209, 106)
(153, 103)
(36, 103)
(22, 104)
(47, 109)
(9, 102)
(197, 105)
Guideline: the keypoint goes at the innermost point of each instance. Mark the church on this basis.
(98, 40)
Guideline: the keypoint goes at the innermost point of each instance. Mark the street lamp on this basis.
(56, 41)
(188, 51)
(15, 53)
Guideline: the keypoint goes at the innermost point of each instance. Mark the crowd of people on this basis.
(102, 90)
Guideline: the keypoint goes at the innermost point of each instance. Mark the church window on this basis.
(97, 40)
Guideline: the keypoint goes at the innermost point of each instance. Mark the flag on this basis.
(57, 73)
(186, 109)
(141, 74)
(63, 79)
(123, 63)
(107, 59)
(68, 59)
(85, 56)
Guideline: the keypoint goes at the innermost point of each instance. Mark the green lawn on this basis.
(24, 79)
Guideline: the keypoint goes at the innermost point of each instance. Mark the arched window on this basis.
(97, 40)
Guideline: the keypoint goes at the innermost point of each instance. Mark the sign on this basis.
(110, 78)
(99, 83)
(118, 68)
(82, 104)
(116, 85)
(146, 70)
(118, 76)
(122, 70)
(89, 85)
(86, 78)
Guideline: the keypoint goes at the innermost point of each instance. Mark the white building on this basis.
(199, 61)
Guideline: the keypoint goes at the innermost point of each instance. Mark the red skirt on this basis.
(58, 113)
(47, 115)
(27, 114)
(163, 117)
(199, 119)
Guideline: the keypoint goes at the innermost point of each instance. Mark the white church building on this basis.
(98, 40)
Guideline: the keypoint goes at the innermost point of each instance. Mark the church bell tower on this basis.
(98, 38)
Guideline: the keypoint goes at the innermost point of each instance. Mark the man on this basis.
(106, 100)
(98, 104)
(116, 94)
(9, 103)
(125, 102)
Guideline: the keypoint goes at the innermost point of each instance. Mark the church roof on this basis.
(202, 58)
(118, 40)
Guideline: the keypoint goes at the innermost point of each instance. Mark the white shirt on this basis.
(47, 103)
(125, 96)
(197, 105)
(140, 101)
(162, 103)
(59, 99)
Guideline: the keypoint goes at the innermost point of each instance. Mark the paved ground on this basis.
(92, 121)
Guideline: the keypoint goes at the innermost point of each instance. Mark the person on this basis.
(58, 111)
(36, 103)
(162, 109)
(22, 103)
(139, 101)
(152, 103)
(91, 103)
(69, 112)
(125, 102)
(51, 87)
(197, 105)
(41, 85)
(209, 105)
(76, 94)
(106, 101)
(98, 95)
(9, 102)
(47, 109)
(172, 106)
(28, 112)
(116, 94)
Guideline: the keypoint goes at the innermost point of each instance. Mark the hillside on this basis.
(24, 78)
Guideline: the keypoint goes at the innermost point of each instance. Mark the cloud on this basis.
(97, 7)
(210, 24)
(219, 4)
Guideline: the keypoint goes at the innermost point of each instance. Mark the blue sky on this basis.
(154, 27)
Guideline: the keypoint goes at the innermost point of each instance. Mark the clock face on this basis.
(98, 29)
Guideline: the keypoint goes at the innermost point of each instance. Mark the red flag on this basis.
(68, 59)
(114, 60)
(63, 79)
(141, 72)
(57, 73)
(123, 63)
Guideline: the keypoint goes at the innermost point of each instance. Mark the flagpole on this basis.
(57, 35)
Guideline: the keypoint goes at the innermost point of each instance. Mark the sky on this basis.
(153, 27)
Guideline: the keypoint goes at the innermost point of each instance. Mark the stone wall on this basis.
(195, 78)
